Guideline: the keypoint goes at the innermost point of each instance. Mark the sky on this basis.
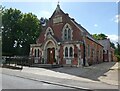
(96, 17)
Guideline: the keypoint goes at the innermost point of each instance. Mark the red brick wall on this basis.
(105, 57)
(100, 55)
(62, 61)
(92, 59)
(57, 29)
(75, 60)
(81, 47)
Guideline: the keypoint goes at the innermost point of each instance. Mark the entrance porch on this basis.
(51, 56)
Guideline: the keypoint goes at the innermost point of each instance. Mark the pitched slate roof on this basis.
(88, 35)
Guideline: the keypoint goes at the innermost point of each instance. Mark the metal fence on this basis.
(17, 61)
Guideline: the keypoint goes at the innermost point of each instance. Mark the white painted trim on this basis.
(68, 46)
(36, 48)
(54, 46)
(71, 31)
(50, 40)
(79, 55)
(47, 30)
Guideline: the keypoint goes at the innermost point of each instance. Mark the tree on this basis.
(30, 30)
(99, 36)
(117, 51)
(112, 45)
(1, 13)
(19, 31)
(11, 24)
(102, 37)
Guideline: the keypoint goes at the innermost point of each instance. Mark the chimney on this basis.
(67, 14)
(73, 19)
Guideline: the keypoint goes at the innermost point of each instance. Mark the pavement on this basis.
(102, 76)
(112, 75)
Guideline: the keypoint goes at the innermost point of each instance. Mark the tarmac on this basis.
(103, 75)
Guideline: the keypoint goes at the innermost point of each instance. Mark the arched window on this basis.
(35, 53)
(66, 52)
(49, 31)
(38, 52)
(71, 51)
(69, 34)
(65, 34)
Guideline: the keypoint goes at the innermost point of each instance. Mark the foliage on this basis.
(99, 36)
(118, 57)
(117, 51)
(11, 23)
(112, 45)
(30, 30)
(19, 31)
(102, 37)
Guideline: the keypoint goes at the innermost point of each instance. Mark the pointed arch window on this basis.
(35, 53)
(38, 52)
(71, 51)
(67, 32)
(66, 52)
(49, 31)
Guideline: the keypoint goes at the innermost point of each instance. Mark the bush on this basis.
(118, 58)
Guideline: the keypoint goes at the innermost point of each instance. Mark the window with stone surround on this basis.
(71, 52)
(38, 52)
(67, 32)
(49, 31)
(35, 53)
(66, 52)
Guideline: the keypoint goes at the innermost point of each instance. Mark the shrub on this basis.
(118, 58)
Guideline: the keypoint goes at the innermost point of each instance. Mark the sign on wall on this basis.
(57, 20)
(68, 61)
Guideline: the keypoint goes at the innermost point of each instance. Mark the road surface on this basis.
(12, 82)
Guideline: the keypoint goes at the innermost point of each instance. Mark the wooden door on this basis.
(50, 55)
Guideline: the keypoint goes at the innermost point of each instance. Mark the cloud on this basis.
(44, 13)
(113, 38)
(116, 18)
(95, 25)
(117, 1)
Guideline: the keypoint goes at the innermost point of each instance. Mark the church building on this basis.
(65, 42)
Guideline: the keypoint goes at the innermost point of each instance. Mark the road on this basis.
(12, 82)
(73, 83)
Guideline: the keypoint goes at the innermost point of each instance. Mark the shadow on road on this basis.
(92, 72)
